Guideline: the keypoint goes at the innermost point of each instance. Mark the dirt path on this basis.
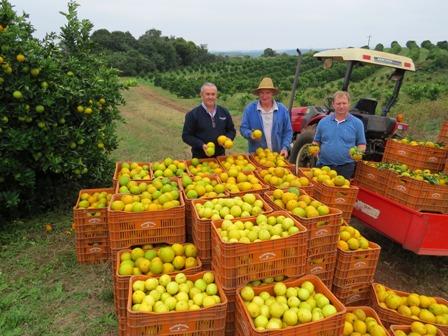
(154, 97)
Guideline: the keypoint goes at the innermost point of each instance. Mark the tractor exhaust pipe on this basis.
(296, 81)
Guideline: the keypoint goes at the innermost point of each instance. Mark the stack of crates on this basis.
(354, 274)
(236, 264)
(443, 134)
(323, 236)
(91, 231)
(201, 229)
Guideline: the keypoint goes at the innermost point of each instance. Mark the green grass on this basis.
(45, 291)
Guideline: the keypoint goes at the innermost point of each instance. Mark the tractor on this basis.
(378, 127)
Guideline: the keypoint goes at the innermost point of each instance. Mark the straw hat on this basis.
(266, 84)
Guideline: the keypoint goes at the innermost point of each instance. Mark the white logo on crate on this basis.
(266, 256)
(179, 327)
(371, 176)
(317, 269)
(95, 249)
(360, 264)
(353, 298)
(401, 188)
(433, 159)
(148, 225)
(94, 220)
(321, 232)
(340, 200)
(436, 196)
(402, 152)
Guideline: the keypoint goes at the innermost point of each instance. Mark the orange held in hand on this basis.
(256, 134)
(356, 154)
(313, 150)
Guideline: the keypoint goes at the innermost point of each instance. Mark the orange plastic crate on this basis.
(371, 178)
(230, 316)
(369, 313)
(356, 267)
(418, 195)
(149, 227)
(407, 329)
(415, 157)
(209, 160)
(322, 230)
(222, 159)
(121, 283)
(206, 321)
(443, 135)
(188, 211)
(118, 169)
(330, 326)
(90, 223)
(202, 230)
(309, 189)
(92, 250)
(390, 316)
(351, 295)
(236, 264)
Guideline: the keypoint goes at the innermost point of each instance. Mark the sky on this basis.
(255, 25)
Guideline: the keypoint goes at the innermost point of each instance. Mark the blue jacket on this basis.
(281, 127)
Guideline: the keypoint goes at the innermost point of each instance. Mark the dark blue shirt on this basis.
(336, 139)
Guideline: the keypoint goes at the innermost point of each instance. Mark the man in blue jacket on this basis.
(268, 116)
(206, 122)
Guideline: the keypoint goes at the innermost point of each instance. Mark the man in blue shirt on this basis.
(336, 134)
(268, 116)
(206, 122)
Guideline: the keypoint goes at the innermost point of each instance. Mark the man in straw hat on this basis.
(266, 122)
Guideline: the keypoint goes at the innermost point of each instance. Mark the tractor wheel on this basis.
(299, 153)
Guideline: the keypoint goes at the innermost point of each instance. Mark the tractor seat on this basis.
(366, 105)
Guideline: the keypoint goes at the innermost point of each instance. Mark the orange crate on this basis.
(208, 321)
(252, 157)
(371, 178)
(418, 195)
(342, 198)
(309, 189)
(90, 223)
(415, 157)
(118, 169)
(188, 211)
(351, 295)
(445, 170)
(407, 329)
(321, 261)
(202, 231)
(356, 267)
(390, 316)
(330, 326)
(322, 230)
(209, 160)
(369, 313)
(222, 159)
(443, 135)
(92, 250)
(122, 326)
(236, 264)
(149, 227)
(121, 283)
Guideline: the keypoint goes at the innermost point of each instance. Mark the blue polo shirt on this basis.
(336, 139)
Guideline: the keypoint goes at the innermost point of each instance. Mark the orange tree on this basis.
(58, 112)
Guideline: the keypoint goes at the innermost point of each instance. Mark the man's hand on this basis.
(284, 153)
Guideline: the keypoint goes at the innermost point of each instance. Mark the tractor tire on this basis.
(299, 155)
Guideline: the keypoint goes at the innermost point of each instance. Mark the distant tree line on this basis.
(151, 52)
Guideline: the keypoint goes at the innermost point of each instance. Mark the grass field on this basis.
(44, 291)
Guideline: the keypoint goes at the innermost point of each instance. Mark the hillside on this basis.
(423, 99)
